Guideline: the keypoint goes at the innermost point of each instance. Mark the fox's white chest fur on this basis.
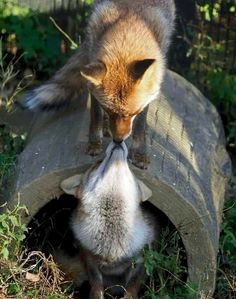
(113, 226)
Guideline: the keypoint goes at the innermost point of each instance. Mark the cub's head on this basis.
(100, 180)
(123, 89)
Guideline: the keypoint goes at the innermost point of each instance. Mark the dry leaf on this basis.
(32, 277)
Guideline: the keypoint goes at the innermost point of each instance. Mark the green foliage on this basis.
(15, 265)
(12, 232)
(226, 277)
(221, 88)
(33, 34)
(164, 268)
(207, 12)
(209, 43)
(227, 90)
(7, 73)
(10, 145)
(13, 289)
(217, 83)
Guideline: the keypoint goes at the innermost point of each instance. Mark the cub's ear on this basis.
(138, 68)
(146, 193)
(71, 185)
(94, 72)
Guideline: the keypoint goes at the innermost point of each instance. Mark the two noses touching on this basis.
(121, 127)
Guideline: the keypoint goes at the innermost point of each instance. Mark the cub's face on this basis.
(123, 91)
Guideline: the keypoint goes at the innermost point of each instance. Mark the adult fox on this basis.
(122, 63)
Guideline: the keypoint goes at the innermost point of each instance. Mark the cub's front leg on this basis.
(133, 277)
(138, 151)
(95, 129)
(95, 277)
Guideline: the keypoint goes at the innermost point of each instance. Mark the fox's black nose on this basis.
(118, 141)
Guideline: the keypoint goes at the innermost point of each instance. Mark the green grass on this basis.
(166, 269)
(226, 274)
(22, 275)
(10, 145)
(18, 271)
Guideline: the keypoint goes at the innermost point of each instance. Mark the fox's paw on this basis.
(94, 148)
(96, 294)
(139, 160)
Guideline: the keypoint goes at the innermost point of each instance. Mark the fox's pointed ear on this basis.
(138, 68)
(94, 72)
(146, 193)
(71, 185)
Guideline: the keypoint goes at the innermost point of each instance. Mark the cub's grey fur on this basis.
(110, 223)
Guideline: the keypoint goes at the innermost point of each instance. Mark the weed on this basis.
(11, 144)
(24, 31)
(211, 69)
(12, 232)
(165, 270)
(226, 276)
(22, 274)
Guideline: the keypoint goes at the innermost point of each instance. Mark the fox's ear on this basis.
(146, 193)
(71, 185)
(94, 72)
(138, 68)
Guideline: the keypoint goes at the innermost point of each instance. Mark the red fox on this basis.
(110, 225)
(122, 63)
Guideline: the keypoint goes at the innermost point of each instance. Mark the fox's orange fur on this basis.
(121, 62)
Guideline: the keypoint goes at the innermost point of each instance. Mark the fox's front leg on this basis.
(138, 151)
(95, 129)
(133, 280)
(95, 278)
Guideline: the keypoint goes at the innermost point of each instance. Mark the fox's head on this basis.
(123, 90)
(122, 62)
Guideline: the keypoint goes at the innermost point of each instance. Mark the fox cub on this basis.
(111, 226)
(122, 63)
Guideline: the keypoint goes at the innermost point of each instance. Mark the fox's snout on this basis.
(120, 127)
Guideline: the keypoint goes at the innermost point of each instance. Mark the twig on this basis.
(226, 277)
(73, 44)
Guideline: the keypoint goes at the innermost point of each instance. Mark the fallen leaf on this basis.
(32, 277)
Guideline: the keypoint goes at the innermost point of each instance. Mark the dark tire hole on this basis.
(49, 230)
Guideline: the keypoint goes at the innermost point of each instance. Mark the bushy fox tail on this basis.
(64, 87)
